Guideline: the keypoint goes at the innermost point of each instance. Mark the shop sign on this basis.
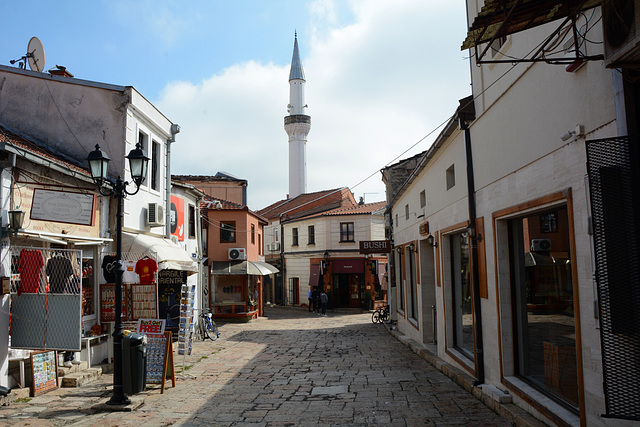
(177, 217)
(375, 246)
(62, 206)
(151, 326)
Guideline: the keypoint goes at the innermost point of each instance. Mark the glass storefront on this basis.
(542, 292)
(462, 300)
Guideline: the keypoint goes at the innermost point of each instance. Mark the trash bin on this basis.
(134, 363)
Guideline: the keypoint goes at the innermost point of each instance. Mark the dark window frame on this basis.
(347, 232)
(230, 228)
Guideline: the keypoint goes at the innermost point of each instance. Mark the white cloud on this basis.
(375, 86)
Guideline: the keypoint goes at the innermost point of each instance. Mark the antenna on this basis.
(34, 55)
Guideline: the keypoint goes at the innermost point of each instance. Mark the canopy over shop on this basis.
(237, 288)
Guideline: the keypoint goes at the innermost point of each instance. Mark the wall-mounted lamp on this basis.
(471, 232)
(16, 218)
(432, 241)
(412, 247)
(326, 256)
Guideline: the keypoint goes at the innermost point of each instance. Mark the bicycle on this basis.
(207, 327)
(381, 314)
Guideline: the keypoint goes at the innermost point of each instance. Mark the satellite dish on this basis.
(35, 54)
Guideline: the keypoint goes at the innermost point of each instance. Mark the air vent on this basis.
(155, 215)
(237, 254)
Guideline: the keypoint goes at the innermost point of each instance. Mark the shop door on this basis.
(341, 297)
(355, 290)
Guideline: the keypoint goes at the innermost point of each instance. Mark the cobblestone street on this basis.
(290, 368)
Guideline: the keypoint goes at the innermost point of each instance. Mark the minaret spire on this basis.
(297, 125)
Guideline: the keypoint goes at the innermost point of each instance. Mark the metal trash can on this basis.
(134, 363)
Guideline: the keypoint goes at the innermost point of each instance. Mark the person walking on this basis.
(310, 296)
(324, 299)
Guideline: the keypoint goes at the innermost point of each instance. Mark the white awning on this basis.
(63, 239)
(235, 268)
(168, 255)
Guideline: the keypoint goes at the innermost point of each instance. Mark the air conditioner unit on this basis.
(155, 214)
(621, 25)
(237, 254)
(275, 246)
(540, 245)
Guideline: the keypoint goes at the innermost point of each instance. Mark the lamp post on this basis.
(98, 164)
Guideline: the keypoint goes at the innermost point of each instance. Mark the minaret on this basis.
(297, 124)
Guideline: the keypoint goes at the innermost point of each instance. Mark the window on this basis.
(400, 282)
(461, 294)
(277, 237)
(346, 232)
(451, 177)
(411, 276)
(155, 166)
(423, 199)
(142, 140)
(253, 234)
(543, 305)
(192, 221)
(312, 235)
(406, 212)
(294, 237)
(497, 44)
(227, 232)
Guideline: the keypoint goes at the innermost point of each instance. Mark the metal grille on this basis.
(613, 167)
(46, 300)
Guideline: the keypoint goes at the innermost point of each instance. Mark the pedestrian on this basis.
(324, 299)
(310, 299)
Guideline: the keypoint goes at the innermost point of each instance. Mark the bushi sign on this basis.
(375, 246)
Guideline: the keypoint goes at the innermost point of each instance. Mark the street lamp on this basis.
(98, 164)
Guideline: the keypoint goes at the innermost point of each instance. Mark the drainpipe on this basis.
(175, 129)
(282, 269)
(477, 306)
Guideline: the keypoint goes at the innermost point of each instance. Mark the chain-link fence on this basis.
(46, 301)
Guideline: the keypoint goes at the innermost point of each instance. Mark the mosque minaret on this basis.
(297, 124)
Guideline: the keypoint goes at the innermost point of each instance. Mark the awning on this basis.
(62, 239)
(168, 255)
(499, 18)
(314, 275)
(347, 266)
(241, 268)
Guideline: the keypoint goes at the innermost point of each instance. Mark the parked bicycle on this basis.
(381, 314)
(206, 326)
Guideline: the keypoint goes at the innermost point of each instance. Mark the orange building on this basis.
(235, 251)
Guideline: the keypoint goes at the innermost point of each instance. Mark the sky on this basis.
(381, 78)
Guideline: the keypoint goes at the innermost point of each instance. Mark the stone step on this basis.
(80, 378)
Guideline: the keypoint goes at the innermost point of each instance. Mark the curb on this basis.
(492, 397)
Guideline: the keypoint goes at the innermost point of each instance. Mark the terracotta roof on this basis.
(21, 143)
(309, 203)
(358, 209)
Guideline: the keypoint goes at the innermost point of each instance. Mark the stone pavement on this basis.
(290, 368)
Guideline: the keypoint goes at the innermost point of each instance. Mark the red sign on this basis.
(151, 326)
(177, 217)
(375, 246)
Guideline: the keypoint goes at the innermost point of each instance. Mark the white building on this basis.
(68, 117)
(511, 270)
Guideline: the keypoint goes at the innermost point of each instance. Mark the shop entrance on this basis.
(348, 290)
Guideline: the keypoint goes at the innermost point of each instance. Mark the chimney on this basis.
(60, 71)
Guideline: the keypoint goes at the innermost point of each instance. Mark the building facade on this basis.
(496, 225)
